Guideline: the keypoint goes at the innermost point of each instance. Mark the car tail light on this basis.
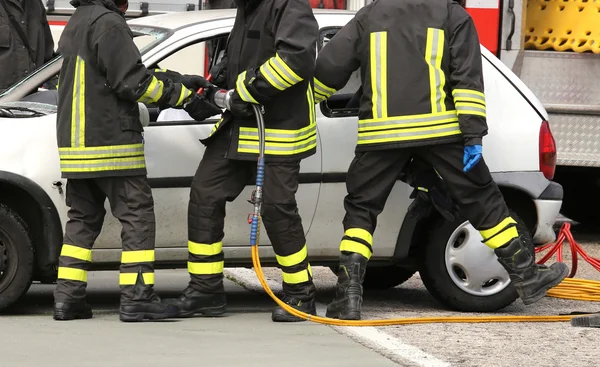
(547, 151)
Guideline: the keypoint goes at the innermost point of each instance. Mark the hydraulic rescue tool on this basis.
(577, 289)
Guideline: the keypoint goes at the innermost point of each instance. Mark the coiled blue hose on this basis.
(260, 176)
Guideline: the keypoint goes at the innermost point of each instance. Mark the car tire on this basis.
(449, 284)
(17, 257)
(379, 278)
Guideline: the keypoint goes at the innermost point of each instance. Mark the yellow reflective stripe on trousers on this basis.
(357, 247)
(97, 165)
(102, 151)
(378, 50)
(139, 256)
(412, 121)
(293, 259)
(487, 233)
(131, 278)
(153, 93)
(72, 274)
(298, 277)
(78, 105)
(322, 91)
(284, 70)
(205, 249)
(469, 108)
(273, 77)
(360, 234)
(502, 238)
(206, 268)
(242, 90)
(434, 52)
(76, 252)
(468, 95)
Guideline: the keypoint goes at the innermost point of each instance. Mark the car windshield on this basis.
(145, 38)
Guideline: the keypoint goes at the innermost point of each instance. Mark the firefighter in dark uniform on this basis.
(101, 150)
(420, 64)
(26, 42)
(270, 61)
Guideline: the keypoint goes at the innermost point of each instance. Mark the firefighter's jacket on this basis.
(101, 80)
(420, 64)
(270, 61)
(16, 61)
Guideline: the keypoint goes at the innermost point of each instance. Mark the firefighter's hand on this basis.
(238, 107)
(217, 73)
(472, 156)
(194, 82)
(199, 108)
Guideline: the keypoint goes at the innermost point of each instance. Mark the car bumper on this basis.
(548, 206)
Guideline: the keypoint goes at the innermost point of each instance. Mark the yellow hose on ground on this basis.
(575, 289)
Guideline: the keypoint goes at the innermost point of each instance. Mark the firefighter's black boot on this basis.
(529, 279)
(348, 294)
(140, 302)
(72, 310)
(193, 302)
(302, 300)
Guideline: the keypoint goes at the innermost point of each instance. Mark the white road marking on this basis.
(387, 345)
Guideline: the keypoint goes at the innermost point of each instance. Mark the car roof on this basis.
(177, 20)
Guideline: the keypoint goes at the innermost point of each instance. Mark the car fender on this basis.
(49, 243)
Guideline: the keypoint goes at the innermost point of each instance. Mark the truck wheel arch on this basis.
(34, 205)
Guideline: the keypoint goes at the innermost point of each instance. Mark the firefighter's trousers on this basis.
(372, 175)
(131, 202)
(219, 180)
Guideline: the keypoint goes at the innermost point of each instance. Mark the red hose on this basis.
(576, 249)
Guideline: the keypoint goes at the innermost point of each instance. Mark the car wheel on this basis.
(16, 257)
(464, 274)
(386, 277)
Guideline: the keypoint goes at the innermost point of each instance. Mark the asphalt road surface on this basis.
(247, 337)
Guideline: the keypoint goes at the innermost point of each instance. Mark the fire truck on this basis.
(552, 45)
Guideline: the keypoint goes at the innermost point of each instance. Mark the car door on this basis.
(338, 123)
(173, 152)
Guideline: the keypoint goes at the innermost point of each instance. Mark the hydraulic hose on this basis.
(575, 289)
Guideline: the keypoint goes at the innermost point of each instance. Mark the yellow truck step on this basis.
(563, 25)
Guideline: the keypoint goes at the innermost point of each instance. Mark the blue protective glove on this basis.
(471, 157)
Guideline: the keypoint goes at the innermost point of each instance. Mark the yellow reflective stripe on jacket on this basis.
(153, 93)
(434, 51)
(102, 151)
(421, 133)
(131, 278)
(97, 165)
(78, 105)
(76, 252)
(311, 106)
(411, 121)
(138, 256)
(205, 249)
(183, 95)
(278, 148)
(72, 274)
(273, 76)
(470, 108)
(284, 70)
(378, 53)
(206, 268)
(322, 92)
(297, 277)
(251, 133)
(293, 259)
(242, 90)
(468, 95)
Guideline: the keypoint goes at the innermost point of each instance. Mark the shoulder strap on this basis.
(22, 35)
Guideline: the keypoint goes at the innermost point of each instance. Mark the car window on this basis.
(344, 102)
